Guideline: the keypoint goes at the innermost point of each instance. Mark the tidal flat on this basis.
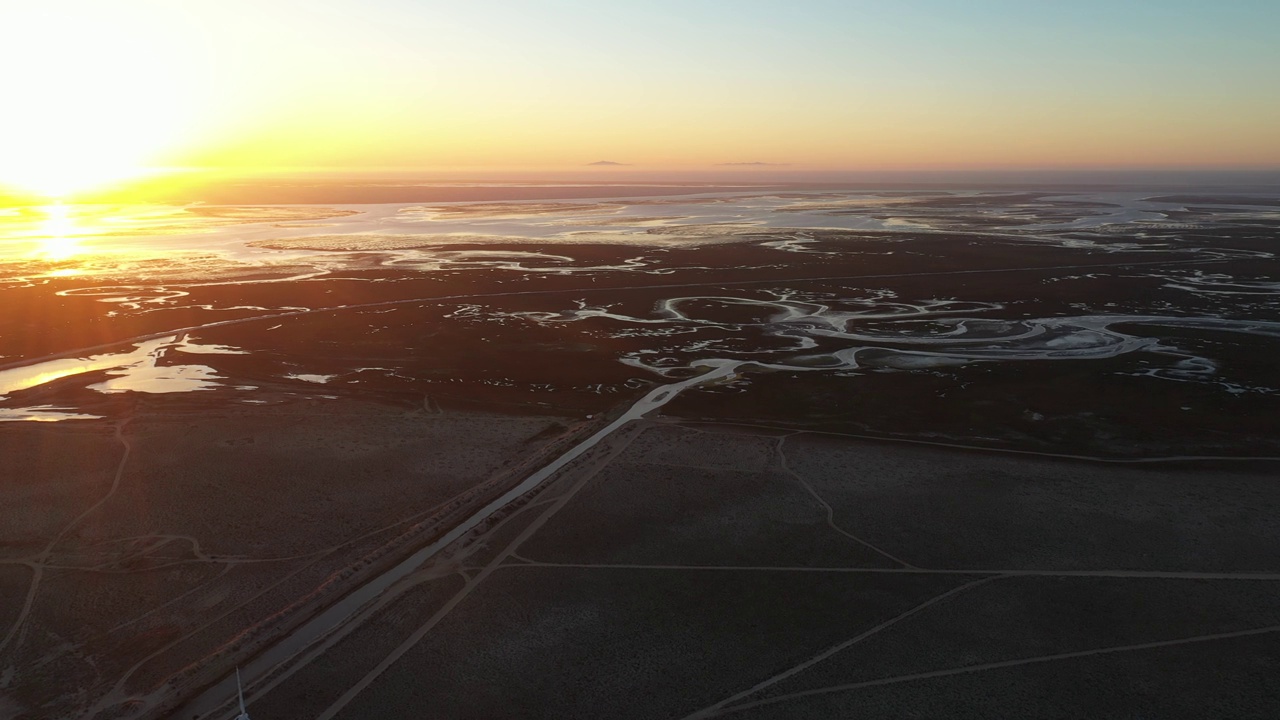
(768, 452)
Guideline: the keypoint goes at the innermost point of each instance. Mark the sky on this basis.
(94, 87)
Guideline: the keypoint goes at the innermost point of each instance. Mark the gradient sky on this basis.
(660, 83)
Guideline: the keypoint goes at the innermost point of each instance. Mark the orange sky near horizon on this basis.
(106, 90)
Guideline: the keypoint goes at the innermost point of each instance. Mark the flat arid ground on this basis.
(642, 452)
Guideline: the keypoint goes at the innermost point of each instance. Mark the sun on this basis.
(54, 177)
(94, 94)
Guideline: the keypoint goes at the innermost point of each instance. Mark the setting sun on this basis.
(710, 359)
(103, 89)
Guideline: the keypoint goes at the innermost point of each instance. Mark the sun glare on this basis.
(57, 239)
(96, 94)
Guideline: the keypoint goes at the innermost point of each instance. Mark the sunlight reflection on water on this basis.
(137, 371)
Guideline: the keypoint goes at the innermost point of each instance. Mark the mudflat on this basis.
(801, 453)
